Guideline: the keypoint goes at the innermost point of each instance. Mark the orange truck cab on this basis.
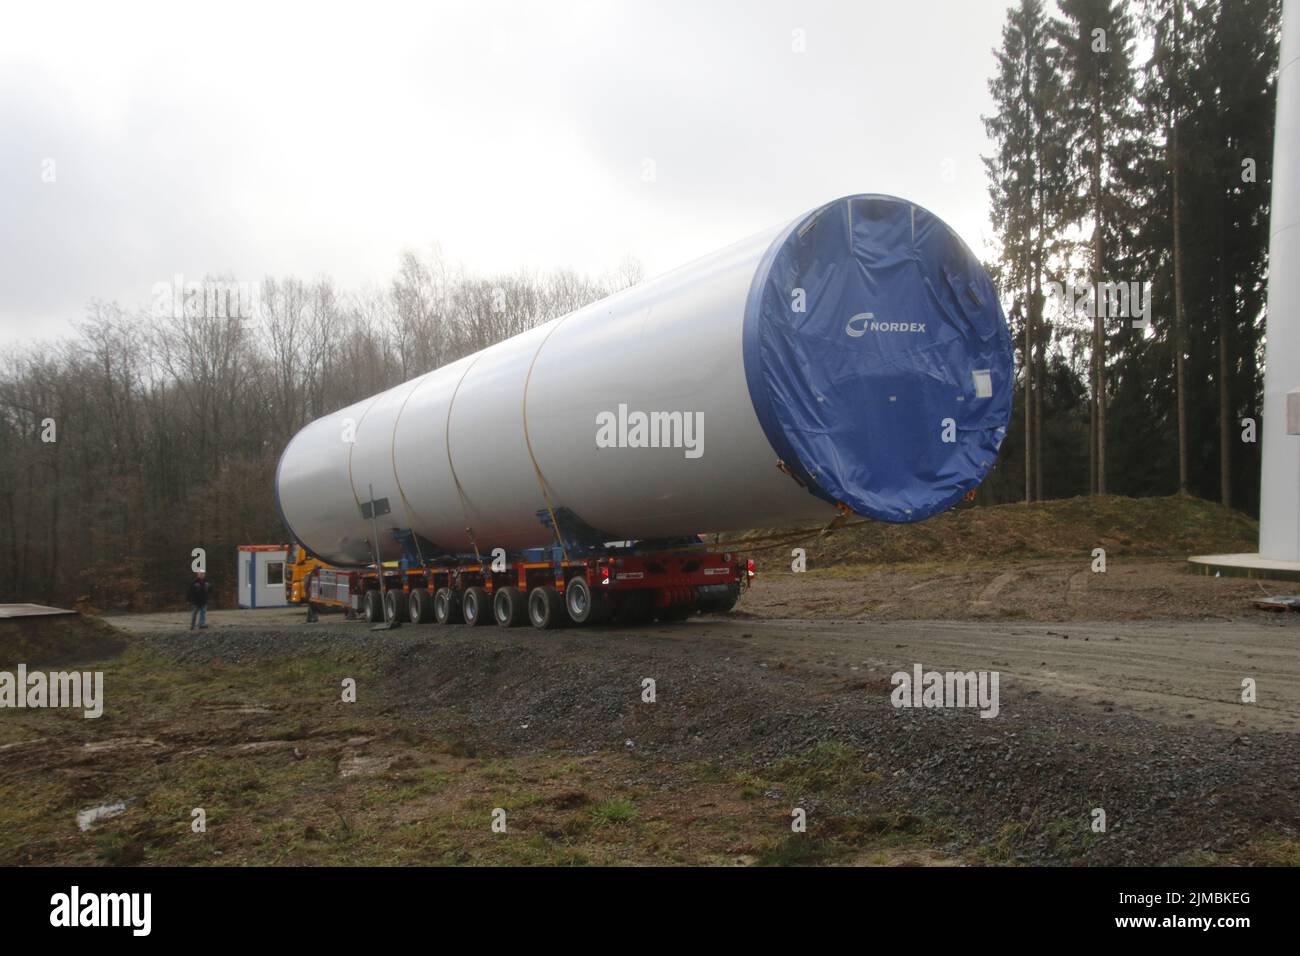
(297, 568)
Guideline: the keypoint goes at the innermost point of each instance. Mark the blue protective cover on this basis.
(901, 344)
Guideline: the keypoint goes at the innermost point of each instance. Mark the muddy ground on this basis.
(1119, 692)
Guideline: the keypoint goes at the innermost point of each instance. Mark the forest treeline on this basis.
(153, 432)
(1131, 143)
(1133, 147)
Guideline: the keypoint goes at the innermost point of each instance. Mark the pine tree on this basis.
(1231, 132)
(1026, 176)
(1208, 99)
(1096, 42)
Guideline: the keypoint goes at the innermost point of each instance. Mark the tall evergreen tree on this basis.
(1172, 94)
(1095, 38)
(1168, 183)
(1229, 133)
(1207, 95)
(1027, 179)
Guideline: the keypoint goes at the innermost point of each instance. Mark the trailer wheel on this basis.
(717, 598)
(372, 608)
(584, 605)
(477, 606)
(420, 606)
(510, 607)
(395, 605)
(545, 608)
(726, 604)
(446, 606)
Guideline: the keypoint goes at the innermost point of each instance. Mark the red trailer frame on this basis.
(622, 588)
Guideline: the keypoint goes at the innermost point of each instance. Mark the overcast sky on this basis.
(281, 139)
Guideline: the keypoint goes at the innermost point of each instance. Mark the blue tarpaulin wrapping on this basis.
(878, 359)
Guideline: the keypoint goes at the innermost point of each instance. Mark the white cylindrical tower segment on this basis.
(856, 356)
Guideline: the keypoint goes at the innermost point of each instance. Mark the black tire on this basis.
(584, 605)
(476, 605)
(510, 607)
(420, 606)
(733, 595)
(578, 600)
(446, 606)
(545, 608)
(395, 605)
(372, 608)
(717, 598)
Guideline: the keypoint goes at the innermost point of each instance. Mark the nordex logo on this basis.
(865, 322)
(626, 429)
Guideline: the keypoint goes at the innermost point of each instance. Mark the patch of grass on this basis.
(1272, 851)
(752, 786)
(828, 767)
(35, 811)
(613, 812)
(1007, 842)
(119, 849)
(461, 748)
(799, 849)
(1065, 838)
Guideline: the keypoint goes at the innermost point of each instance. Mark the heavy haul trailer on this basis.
(544, 590)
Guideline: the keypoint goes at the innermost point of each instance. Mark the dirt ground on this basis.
(1129, 590)
(1119, 692)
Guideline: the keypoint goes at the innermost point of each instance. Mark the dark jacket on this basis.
(199, 591)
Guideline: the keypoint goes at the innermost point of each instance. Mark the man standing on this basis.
(198, 598)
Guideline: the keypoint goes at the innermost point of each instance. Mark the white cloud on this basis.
(255, 139)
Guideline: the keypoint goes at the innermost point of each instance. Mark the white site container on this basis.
(261, 575)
